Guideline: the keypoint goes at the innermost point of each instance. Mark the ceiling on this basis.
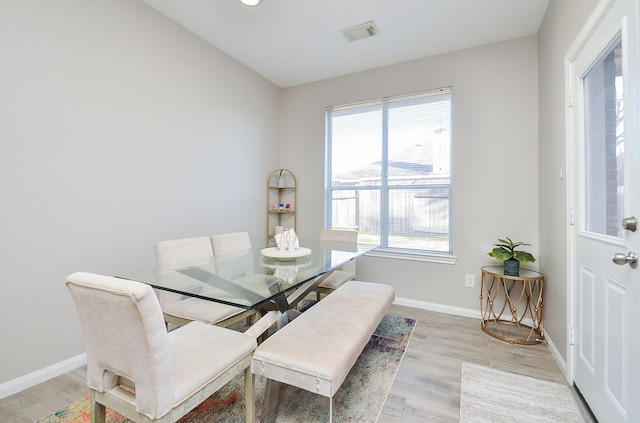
(293, 42)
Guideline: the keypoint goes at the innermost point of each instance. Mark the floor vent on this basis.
(358, 32)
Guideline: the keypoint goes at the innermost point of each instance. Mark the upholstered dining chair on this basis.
(180, 310)
(228, 243)
(138, 369)
(235, 245)
(344, 273)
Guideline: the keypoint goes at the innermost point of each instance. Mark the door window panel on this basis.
(604, 145)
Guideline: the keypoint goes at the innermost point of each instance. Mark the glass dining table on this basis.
(271, 281)
(266, 279)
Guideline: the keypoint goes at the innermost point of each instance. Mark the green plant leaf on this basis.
(505, 246)
(509, 244)
(506, 249)
(523, 257)
(500, 253)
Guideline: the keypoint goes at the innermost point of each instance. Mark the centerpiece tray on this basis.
(274, 252)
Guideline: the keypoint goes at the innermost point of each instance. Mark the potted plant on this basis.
(506, 251)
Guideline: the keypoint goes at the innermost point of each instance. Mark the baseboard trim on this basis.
(27, 381)
(556, 354)
(424, 305)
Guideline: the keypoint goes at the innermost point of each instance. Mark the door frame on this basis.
(572, 199)
(632, 92)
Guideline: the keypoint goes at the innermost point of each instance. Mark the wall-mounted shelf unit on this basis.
(281, 202)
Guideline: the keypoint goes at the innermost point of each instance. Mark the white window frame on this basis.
(445, 257)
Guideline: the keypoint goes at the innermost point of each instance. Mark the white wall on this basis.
(117, 129)
(562, 22)
(495, 170)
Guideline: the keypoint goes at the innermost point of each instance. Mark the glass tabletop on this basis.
(522, 274)
(256, 278)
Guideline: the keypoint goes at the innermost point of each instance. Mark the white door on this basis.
(603, 134)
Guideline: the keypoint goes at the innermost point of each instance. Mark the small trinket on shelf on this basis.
(281, 180)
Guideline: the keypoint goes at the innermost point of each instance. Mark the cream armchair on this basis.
(136, 368)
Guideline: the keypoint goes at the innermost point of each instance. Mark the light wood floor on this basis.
(426, 388)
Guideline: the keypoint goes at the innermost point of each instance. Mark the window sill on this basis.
(398, 254)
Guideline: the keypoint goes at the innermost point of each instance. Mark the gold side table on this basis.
(511, 307)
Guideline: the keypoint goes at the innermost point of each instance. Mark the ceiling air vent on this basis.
(358, 32)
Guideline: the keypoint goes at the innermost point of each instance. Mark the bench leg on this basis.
(270, 401)
(330, 409)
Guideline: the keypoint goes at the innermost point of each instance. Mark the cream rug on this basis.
(493, 396)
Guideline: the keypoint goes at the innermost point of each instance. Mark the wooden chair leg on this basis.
(97, 410)
(249, 402)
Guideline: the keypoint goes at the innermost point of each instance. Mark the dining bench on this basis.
(316, 350)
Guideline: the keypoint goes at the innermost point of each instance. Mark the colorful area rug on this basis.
(359, 399)
(493, 396)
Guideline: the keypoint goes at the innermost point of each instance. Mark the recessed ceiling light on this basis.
(251, 2)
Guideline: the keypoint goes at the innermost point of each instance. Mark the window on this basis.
(604, 145)
(389, 171)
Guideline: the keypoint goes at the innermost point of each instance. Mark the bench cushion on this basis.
(316, 350)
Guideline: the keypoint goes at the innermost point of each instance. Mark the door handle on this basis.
(630, 223)
(622, 259)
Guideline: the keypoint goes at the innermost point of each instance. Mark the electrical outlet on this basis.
(470, 281)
